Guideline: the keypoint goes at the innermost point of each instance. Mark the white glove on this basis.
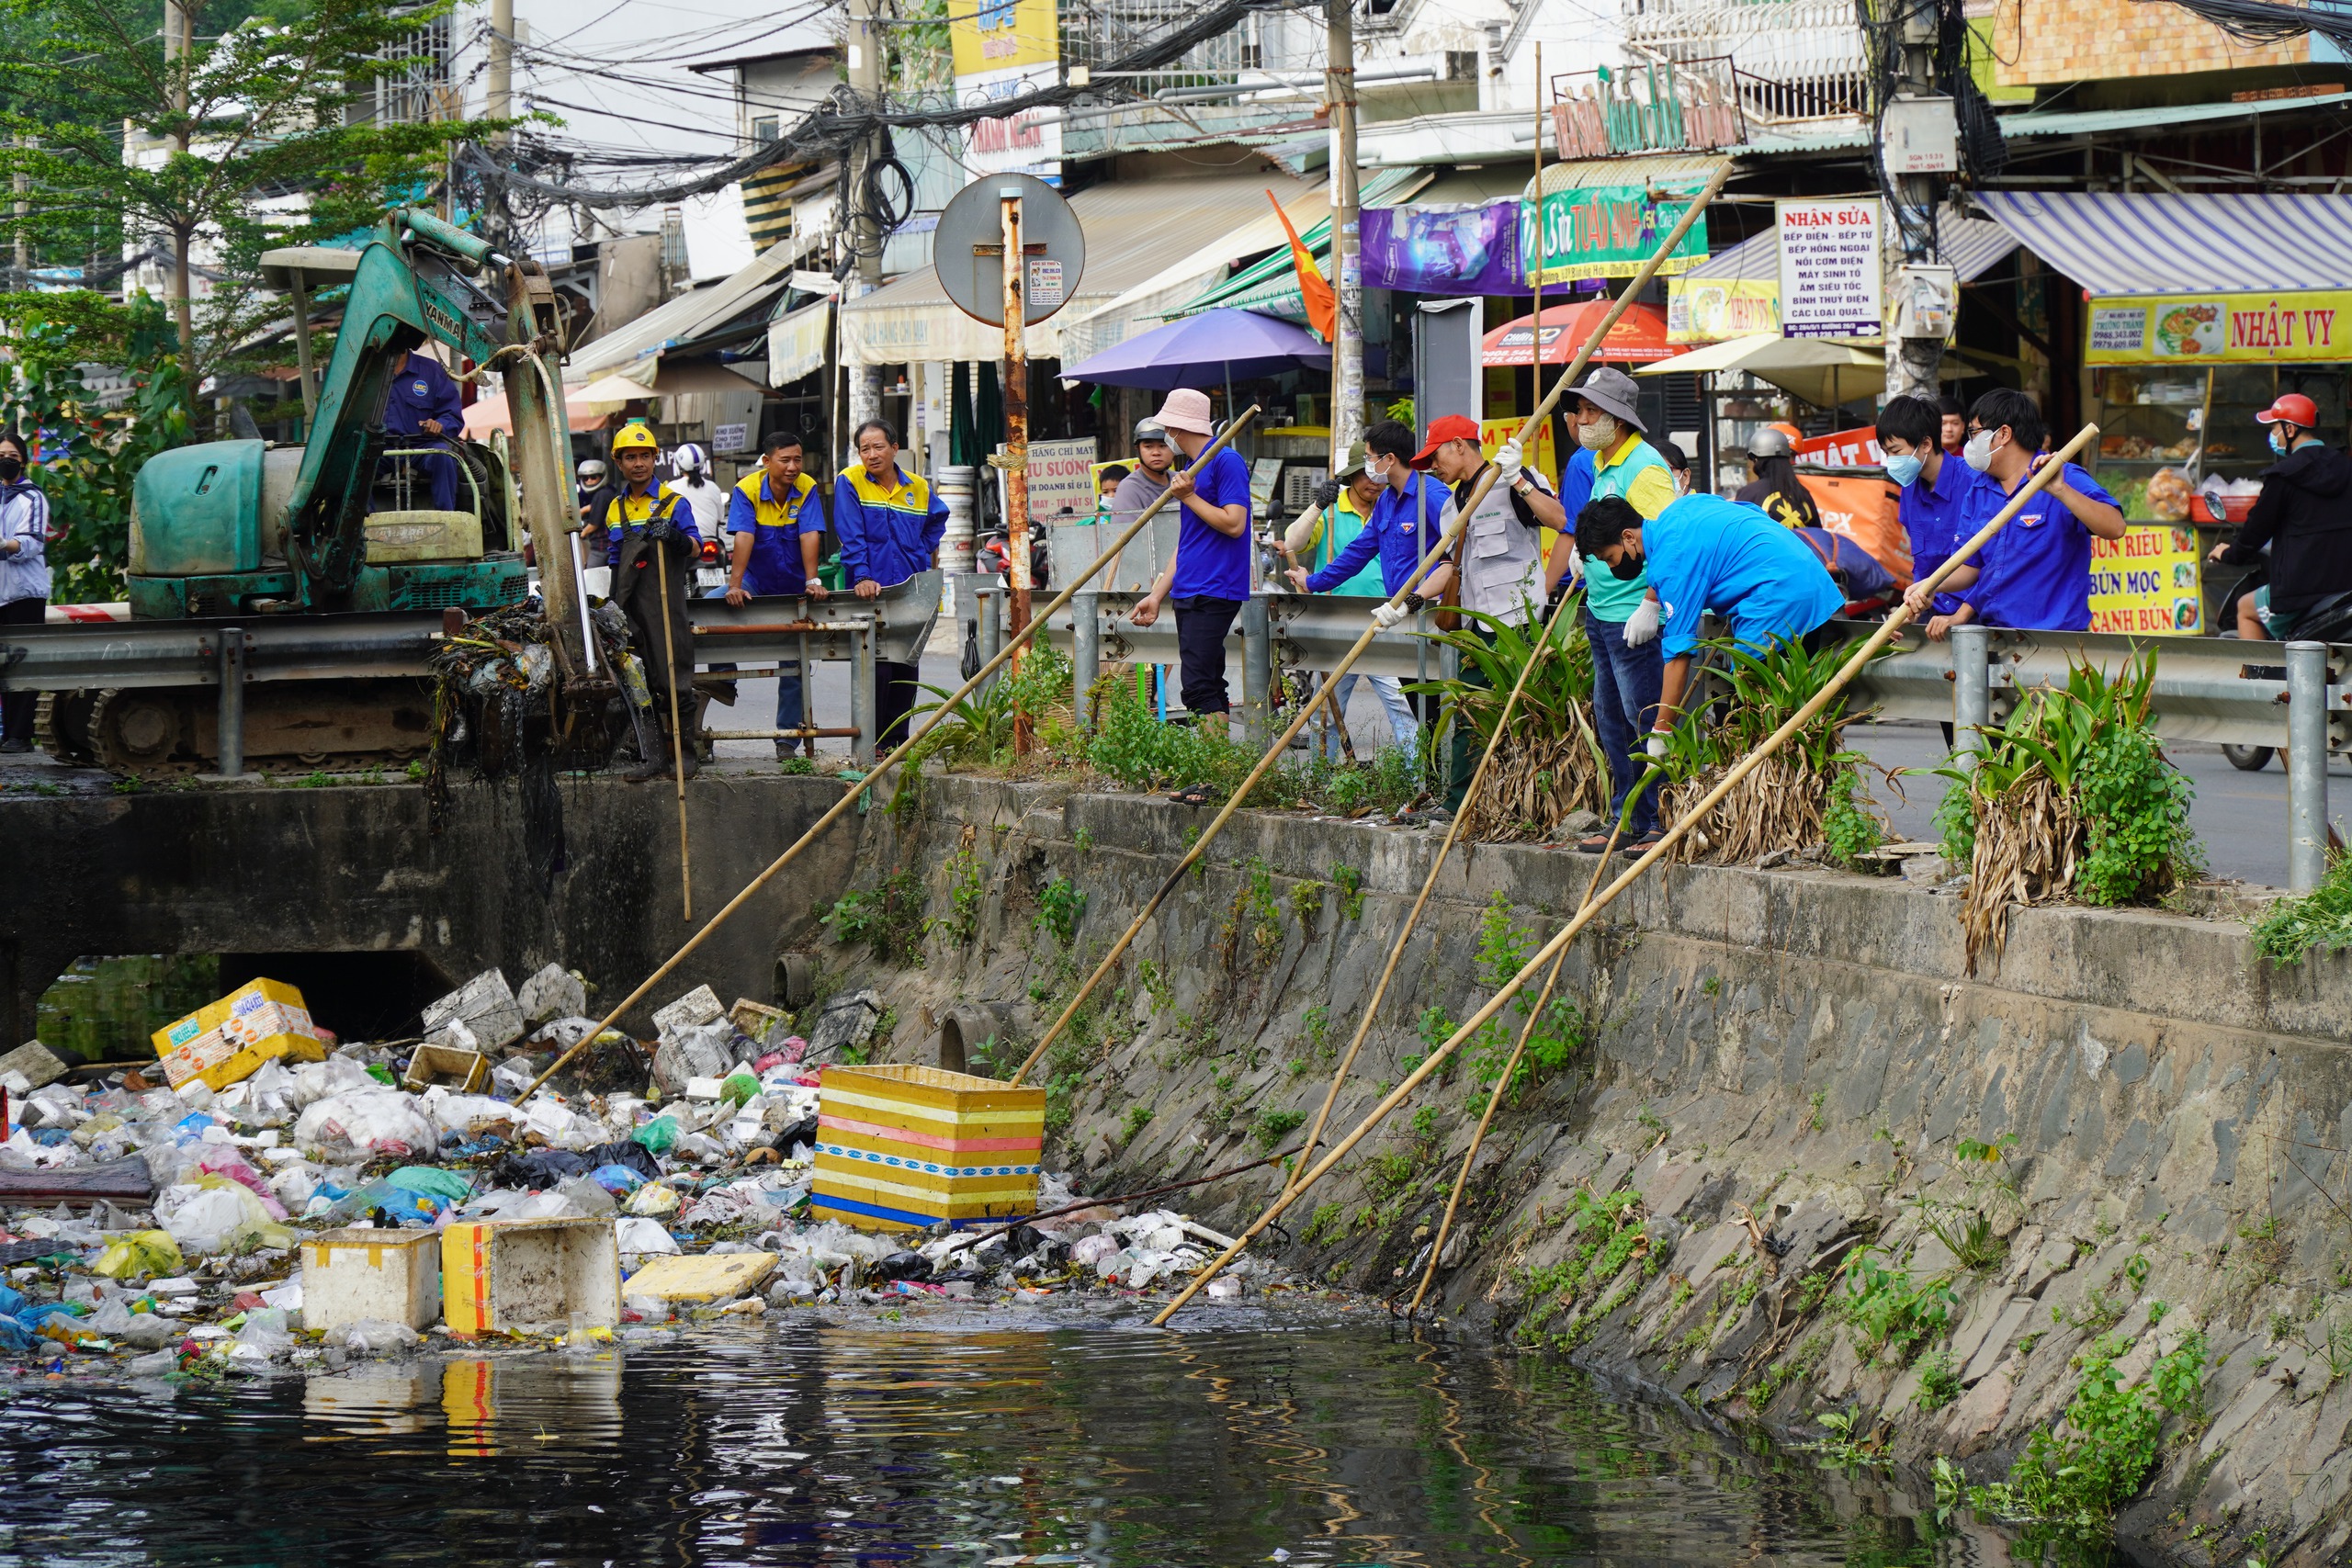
(1576, 559)
(1641, 625)
(1386, 615)
(1508, 460)
(1656, 744)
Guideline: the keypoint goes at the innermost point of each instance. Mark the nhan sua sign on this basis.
(1832, 284)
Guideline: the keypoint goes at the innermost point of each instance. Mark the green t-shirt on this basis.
(1341, 524)
(1637, 473)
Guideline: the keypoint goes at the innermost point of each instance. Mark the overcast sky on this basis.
(664, 107)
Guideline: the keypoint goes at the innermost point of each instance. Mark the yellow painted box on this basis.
(524, 1276)
(704, 1278)
(351, 1274)
(901, 1148)
(227, 1041)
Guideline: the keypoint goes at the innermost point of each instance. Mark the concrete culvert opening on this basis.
(359, 995)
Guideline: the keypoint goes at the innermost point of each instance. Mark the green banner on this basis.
(1607, 231)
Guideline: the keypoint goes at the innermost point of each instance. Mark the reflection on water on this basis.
(107, 1009)
(951, 1442)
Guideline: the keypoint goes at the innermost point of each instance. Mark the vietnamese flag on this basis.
(1322, 305)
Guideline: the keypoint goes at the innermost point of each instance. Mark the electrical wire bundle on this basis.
(1982, 149)
(2264, 21)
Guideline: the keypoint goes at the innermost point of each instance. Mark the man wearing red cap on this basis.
(1501, 556)
(2304, 515)
(1209, 575)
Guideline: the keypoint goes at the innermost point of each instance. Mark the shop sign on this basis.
(1061, 480)
(1006, 51)
(1832, 276)
(1539, 453)
(2147, 582)
(1607, 231)
(2219, 328)
(1709, 310)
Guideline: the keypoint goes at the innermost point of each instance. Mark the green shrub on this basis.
(2291, 928)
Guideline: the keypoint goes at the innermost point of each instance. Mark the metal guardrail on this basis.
(87, 655)
(2212, 689)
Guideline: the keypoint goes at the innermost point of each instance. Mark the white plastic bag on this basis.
(314, 1081)
(375, 1337)
(638, 1233)
(468, 1114)
(374, 1121)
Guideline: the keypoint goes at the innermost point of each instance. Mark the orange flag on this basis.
(1322, 305)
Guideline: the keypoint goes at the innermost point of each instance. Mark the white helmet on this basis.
(689, 459)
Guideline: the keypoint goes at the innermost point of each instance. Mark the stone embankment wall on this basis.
(2127, 1131)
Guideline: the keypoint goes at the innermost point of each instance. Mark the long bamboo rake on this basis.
(1502, 1085)
(677, 735)
(1347, 662)
(1453, 830)
(1559, 942)
(914, 738)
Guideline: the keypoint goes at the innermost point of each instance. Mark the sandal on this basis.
(1638, 845)
(1597, 845)
(1195, 794)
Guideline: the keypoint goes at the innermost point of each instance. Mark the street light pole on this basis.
(864, 45)
(1347, 239)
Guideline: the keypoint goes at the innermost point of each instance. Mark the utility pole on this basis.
(178, 36)
(1347, 237)
(1016, 429)
(1918, 140)
(864, 45)
(502, 67)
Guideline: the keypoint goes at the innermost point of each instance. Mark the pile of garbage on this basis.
(171, 1227)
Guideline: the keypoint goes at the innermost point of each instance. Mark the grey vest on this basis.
(1502, 569)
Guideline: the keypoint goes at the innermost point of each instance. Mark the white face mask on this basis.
(1600, 435)
(1978, 453)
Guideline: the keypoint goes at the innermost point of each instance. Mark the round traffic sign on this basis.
(968, 249)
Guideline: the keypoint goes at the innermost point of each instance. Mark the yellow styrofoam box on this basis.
(902, 1147)
(676, 1278)
(507, 1276)
(226, 1042)
(352, 1274)
(422, 535)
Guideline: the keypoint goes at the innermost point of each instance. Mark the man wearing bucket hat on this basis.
(1499, 557)
(2304, 515)
(1338, 542)
(1209, 576)
(1620, 613)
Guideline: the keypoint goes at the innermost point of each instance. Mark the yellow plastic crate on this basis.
(904, 1148)
(227, 1042)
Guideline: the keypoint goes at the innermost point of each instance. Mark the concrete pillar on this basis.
(2306, 765)
(1256, 673)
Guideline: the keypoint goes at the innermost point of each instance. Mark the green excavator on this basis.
(248, 529)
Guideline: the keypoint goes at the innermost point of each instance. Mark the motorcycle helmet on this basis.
(689, 459)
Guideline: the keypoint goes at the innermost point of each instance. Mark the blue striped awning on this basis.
(1969, 245)
(2112, 242)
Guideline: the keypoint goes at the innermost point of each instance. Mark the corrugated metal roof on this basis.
(1972, 246)
(691, 315)
(1667, 170)
(2115, 243)
(2085, 122)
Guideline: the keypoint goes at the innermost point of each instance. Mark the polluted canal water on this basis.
(1271, 1431)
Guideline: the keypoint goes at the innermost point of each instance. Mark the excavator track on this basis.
(296, 726)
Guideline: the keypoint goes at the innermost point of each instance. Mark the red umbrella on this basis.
(1639, 335)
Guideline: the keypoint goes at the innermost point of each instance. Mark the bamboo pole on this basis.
(1559, 942)
(914, 738)
(1331, 683)
(1413, 917)
(1502, 1085)
(677, 736)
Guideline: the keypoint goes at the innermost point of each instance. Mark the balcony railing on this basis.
(1797, 61)
(1646, 109)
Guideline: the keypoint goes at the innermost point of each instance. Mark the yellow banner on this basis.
(1710, 309)
(2173, 329)
(1002, 34)
(2147, 582)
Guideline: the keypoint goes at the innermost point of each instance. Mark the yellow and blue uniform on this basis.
(889, 532)
(628, 513)
(775, 526)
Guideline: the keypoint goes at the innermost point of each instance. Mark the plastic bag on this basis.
(432, 1180)
(371, 1121)
(269, 1095)
(589, 1198)
(141, 1252)
(636, 1234)
(654, 1198)
(375, 1337)
(212, 1214)
(314, 1081)
(1089, 1251)
(469, 1115)
(618, 1180)
(657, 1134)
(739, 1087)
(225, 1159)
(265, 1335)
(296, 1183)
(398, 1205)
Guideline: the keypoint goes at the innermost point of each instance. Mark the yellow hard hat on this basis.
(634, 434)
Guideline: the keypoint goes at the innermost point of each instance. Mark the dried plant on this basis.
(1550, 762)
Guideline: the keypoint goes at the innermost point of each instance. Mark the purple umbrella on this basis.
(1199, 351)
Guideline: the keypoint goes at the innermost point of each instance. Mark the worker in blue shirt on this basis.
(651, 544)
(1934, 485)
(1208, 578)
(778, 521)
(890, 524)
(421, 409)
(2036, 572)
(1705, 553)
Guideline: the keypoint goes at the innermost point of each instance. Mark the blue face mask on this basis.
(1902, 470)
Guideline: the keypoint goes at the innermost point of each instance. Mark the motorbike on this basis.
(996, 553)
(710, 571)
(2330, 620)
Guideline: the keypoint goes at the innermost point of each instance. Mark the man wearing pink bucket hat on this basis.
(1209, 577)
